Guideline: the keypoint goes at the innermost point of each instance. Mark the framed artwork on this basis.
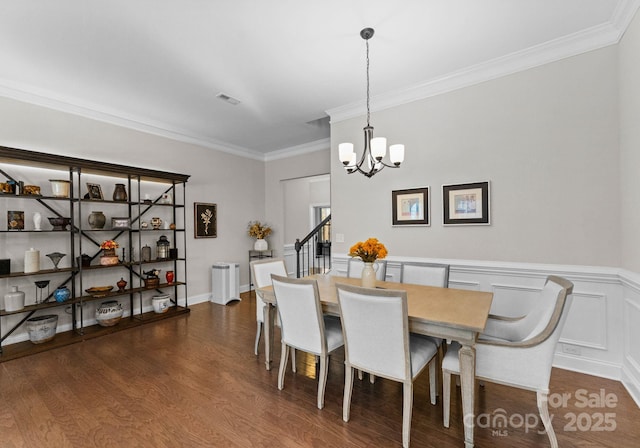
(95, 191)
(205, 220)
(411, 207)
(465, 204)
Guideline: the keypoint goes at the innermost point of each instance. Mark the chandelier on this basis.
(375, 149)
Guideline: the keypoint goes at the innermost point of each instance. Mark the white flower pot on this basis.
(261, 244)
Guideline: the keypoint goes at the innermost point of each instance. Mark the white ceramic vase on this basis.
(261, 244)
(368, 276)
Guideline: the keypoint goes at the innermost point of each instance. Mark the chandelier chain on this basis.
(368, 110)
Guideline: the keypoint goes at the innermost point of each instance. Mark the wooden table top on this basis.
(456, 308)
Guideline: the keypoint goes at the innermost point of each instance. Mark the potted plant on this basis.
(259, 231)
(368, 251)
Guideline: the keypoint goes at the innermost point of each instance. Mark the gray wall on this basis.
(276, 171)
(629, 49)
(300, 195)
(546, 138)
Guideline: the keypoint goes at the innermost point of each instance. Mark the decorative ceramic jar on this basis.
(37, 221)
(14, 300)
(260, 244)
(109, 257)
(120, 193)
(84, 260)
(109, 313)
(31, 261)
(156, 223)
(161, 303)
(368, 276)
(170, 276)
(42, 328)
(121, 284)
(97, 220)
(145, 253)
(62, 294)
(59, 188)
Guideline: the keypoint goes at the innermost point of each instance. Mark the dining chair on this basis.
(429, 274)
(261, 274)
(356, 265)
(394, 353)
(519, 352)
(304, 327)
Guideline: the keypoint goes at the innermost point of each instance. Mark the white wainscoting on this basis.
(602, 334)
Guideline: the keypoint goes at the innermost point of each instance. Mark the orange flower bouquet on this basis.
(369, 251)
(109, 245)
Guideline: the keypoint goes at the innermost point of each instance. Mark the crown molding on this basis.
(590, 39)
(50, 100)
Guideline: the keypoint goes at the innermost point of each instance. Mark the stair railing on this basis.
(313, 255)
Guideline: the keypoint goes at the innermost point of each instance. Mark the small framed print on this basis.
(205, 220)
(465, 204)
(95, 191)
(411, 207)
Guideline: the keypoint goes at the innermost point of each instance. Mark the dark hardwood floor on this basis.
(194, 381)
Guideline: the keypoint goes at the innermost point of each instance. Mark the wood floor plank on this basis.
(193, 381)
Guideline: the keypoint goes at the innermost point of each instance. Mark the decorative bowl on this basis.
(59, 223)
(99, 291)
(60, 188)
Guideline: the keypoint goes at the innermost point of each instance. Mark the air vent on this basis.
(228, 99)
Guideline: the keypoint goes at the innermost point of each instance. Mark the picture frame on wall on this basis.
(205, 220)
(466, 204)
(411, 207)
(95, 191)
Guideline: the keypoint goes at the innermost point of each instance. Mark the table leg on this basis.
(467, 357)
(268, 333)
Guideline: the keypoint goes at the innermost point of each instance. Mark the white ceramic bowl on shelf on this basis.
(59, 188)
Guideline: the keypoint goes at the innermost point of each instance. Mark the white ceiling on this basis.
(157, 65)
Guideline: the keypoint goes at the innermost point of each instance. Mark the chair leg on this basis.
(433, 380)
(258, 334)
(407, 406)
(446, 397)
(283, 365)
(543, 408)
(372, 378)
(348, 387)
(293, 359)
(322, 379)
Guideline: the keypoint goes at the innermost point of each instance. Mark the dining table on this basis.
(447, 313)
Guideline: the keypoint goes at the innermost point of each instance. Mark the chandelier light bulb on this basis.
(396, 154)
(345, 152)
